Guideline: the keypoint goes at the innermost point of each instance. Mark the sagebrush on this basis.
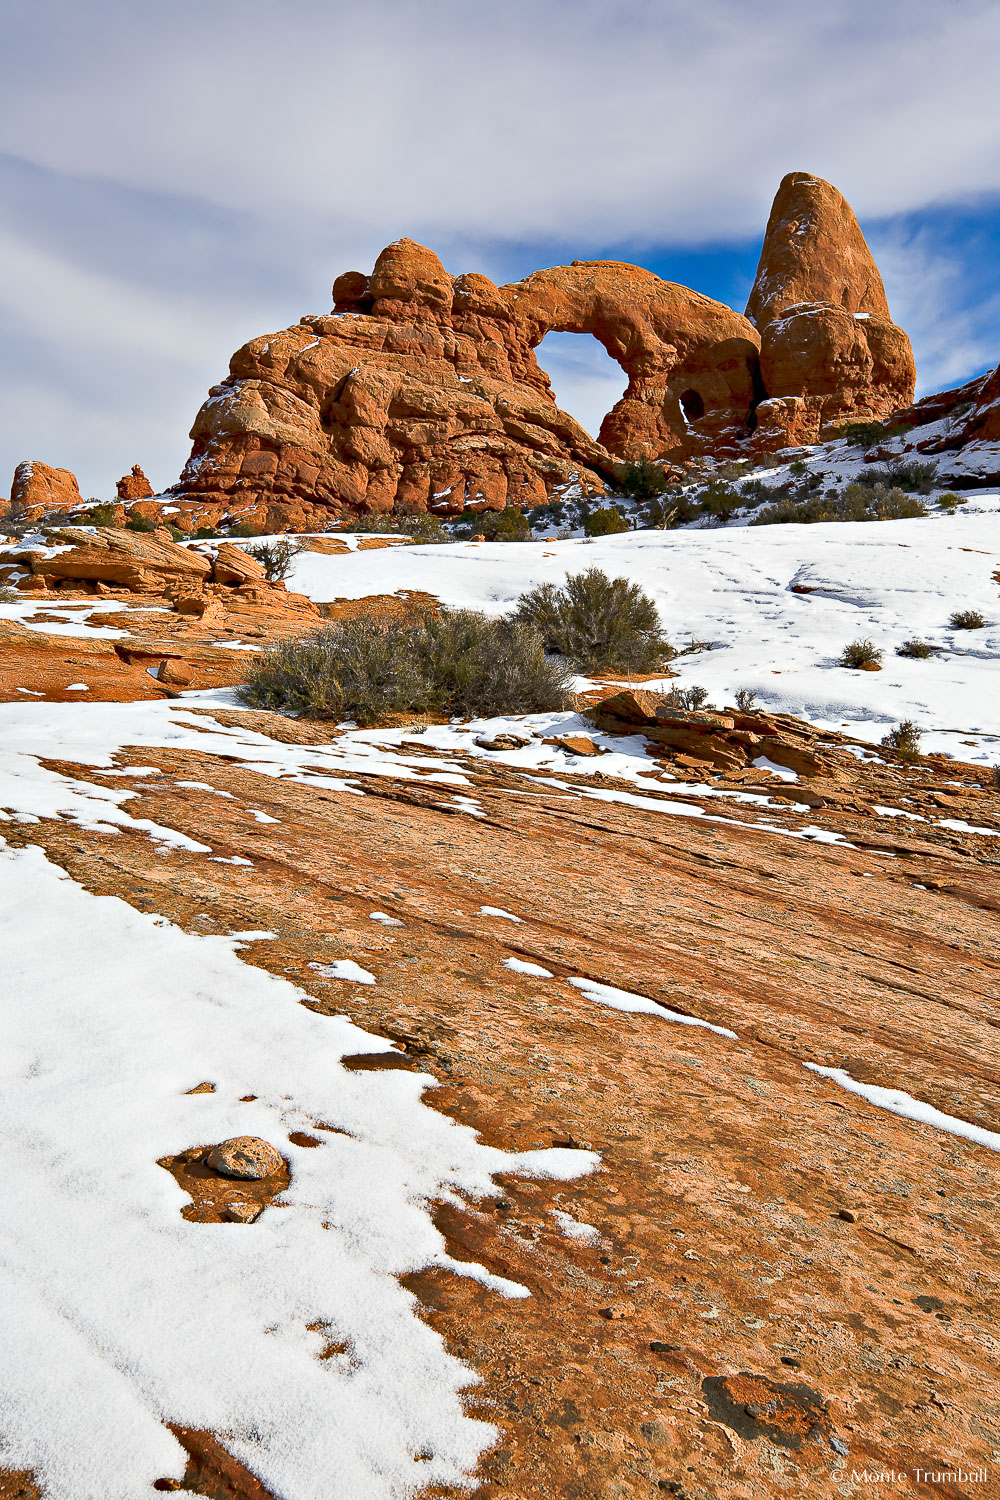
(597, 623)
(457, 663)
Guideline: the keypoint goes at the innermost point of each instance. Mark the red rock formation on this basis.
(421, 390)
(970, 418)
(39, 490)
(830, 352)
(134, 486)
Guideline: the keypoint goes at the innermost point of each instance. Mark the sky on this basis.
(177, 179)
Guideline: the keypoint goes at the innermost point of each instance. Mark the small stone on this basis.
(612, 1313)
(245, 1156)
(659, 1347)
(502, 741)
(202, 1088)
(240, 1213)
(786, 1359)
(847, 1216)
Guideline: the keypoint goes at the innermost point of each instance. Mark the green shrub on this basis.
(277, 557)
(966, 619)
(643, 480)
(798, 466)
(419, 527)
(205, 534)
(905, 474)
(918, 649)
(605, 522)
(507, 525)
(904, 740)
(863, 434)
(896, 505)
(719, 501)
(140, 523)
(597, 623)
(243, 529)
(102, 515)
(857, 502)
(456, 662)
(860, 654)
(673, 508)
(950, 501)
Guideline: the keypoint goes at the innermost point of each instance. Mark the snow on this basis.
(521, 966)
(740, 590)
(345, 968)
(607, 994)
(498, 911)
(575, 1229)
(118, 1315)
(903, 1104)
(384, 919)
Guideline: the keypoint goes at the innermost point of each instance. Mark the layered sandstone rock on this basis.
(421, 390)
(134, 486)
(39, 490)
(830, 353)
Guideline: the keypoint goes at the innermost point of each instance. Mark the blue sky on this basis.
(177, 179)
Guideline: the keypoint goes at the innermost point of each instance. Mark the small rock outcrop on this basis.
(134, 486)
(39, 490)
(829, 353)
(245, 1156)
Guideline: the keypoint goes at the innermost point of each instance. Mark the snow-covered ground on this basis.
(776, 604)
(117, 1315)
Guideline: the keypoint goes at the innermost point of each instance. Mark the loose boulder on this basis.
(246, 1157)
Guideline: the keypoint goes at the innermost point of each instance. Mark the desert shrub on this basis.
(456, 662)
(277, 557)
(798, 466)
(419, 527)
(950, 501)
(857, 502)
(966, 619)
(8, 594)
(140, 523)
(507, 525)
(597, 623)
(205, 534)
(859, 654)
(642, 480)
(102, 515)
(243, 529)
(673, 508)
(605, 522)
(896, 505)
(746, 700)
(719, 501)
(918, 649)
(691, 698)
(904, 740)
(862, 434)
(905, 474)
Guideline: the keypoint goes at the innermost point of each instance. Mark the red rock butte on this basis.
(421, 390)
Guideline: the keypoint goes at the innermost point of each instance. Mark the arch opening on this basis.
(692, 405)
(586, 381)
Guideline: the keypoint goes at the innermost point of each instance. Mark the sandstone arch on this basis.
(421, 389)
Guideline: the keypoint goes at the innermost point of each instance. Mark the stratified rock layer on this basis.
(830, 353)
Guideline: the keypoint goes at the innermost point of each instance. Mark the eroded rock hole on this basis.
(586, 381)
(692, 405)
